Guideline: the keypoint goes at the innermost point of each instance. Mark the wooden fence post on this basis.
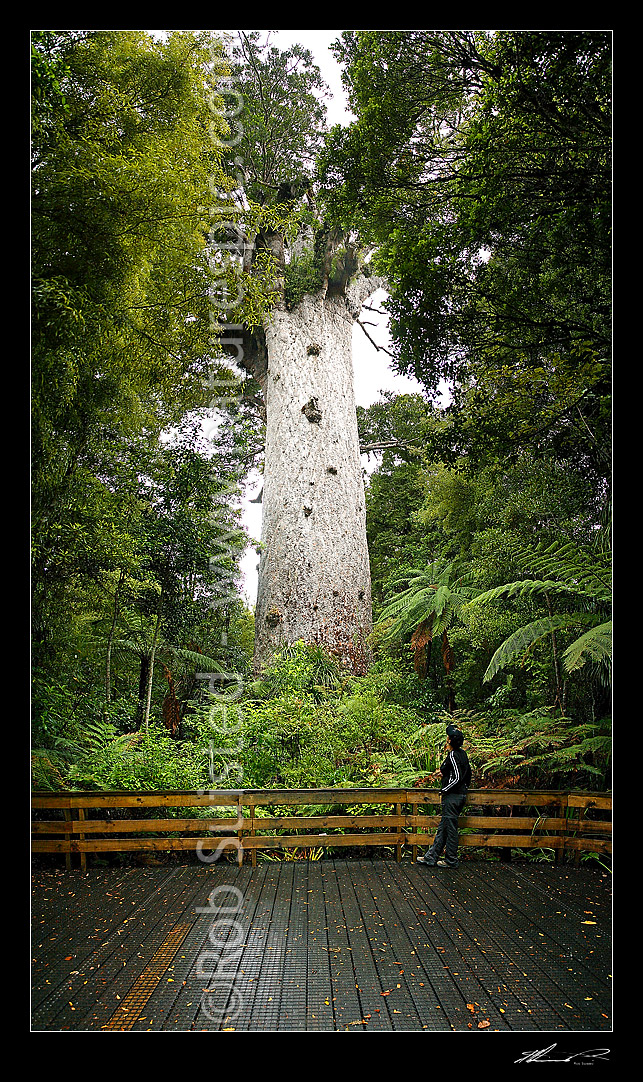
(253, 832)
(83, 854)
(563, 809)
(414, 848)
(240, 834)
(68, 818)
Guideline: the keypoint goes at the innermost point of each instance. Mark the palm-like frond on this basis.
(429, 593)
(202, 662)
(528, 588)
(586, 572)
(561, 567)
(132, 645)
(518, 644)
(566, 571)
(594, 645)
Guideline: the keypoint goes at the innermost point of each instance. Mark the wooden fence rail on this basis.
(560, 820)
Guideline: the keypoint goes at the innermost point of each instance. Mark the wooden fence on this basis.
(81, 823)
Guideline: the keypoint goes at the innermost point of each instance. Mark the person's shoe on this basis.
(443, 864)
(423, 860)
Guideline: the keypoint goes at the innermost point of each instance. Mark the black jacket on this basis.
(456, 772)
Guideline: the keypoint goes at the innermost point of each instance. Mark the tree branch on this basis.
(371, 340)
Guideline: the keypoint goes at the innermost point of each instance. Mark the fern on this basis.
(580, 570)
(519, 644)
(578, 576)
(428, 592)
(594, 645)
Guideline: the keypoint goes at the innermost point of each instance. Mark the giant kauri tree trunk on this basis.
(314, 577)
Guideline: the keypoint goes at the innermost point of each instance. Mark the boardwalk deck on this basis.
(323, 946)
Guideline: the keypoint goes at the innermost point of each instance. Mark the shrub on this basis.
(101, 758)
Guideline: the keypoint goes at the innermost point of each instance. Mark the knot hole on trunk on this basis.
(312, 411)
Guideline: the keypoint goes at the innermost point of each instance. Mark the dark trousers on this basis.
(446, 838)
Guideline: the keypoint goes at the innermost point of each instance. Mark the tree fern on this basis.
(583, 579)
(519, 644)
(432, 601)
(430, 592)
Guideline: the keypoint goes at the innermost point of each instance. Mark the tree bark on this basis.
(314, 576)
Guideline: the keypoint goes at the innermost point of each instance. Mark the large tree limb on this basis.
(360, 290)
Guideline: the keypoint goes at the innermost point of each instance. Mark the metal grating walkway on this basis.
(322, 946)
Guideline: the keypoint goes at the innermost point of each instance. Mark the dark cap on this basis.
(455, 736)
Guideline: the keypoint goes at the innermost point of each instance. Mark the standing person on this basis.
(456, 778)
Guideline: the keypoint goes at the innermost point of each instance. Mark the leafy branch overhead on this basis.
(479, 167)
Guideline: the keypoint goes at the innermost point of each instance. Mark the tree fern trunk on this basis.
(150, 674)
(110, 640)
(558, 701)
(142, 688)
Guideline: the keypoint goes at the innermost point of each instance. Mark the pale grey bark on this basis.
(314, 577)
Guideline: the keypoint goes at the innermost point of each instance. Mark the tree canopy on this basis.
(480, 166)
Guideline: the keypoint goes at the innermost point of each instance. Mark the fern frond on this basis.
(201, 661)
(586, 572)
(529, 587)
(593, 645)
(524, 638)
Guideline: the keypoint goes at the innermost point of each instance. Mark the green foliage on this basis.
(434, 593)
(305, 724)
(300, 668)
(536, 749)
(304, 274)
(576, 577)
(283, 115)
(122, 163)
(484, 520)
(102, 759)
(479, 164)
(430, 602)
(385, 729)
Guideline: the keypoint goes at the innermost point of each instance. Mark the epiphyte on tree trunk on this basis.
(274, 617)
